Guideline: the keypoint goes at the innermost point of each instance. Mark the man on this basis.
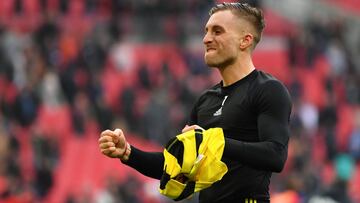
(251, 107)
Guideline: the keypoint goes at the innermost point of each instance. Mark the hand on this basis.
(191, 127)
(113, 144)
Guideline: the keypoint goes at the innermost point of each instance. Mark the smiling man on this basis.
(251, 107)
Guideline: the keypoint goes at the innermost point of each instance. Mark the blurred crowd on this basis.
(138, 65)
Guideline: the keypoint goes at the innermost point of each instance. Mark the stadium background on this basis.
(69, 69)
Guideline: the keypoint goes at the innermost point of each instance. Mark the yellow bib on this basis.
(192, 162)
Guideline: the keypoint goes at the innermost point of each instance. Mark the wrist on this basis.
(125, 156)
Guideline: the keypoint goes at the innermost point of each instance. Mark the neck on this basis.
(236, 71)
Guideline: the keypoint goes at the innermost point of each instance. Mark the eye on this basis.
(217, 32)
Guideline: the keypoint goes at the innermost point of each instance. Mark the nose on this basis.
(207, 38)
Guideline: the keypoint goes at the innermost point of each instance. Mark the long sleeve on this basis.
(270, 153)
(147, 163)
(263, 155)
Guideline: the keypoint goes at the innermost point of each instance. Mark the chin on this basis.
(210, 61)
(218, 63)
(212, 65)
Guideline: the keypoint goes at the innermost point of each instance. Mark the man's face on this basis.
(222, 39)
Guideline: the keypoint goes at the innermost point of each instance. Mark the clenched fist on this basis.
(113, 144)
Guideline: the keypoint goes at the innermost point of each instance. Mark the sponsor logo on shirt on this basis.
(219, 111)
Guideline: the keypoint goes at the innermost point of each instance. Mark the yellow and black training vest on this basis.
(192, 162)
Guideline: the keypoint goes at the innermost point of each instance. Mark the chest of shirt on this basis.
(232, 112)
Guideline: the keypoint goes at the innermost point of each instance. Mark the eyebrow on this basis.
(215, 27)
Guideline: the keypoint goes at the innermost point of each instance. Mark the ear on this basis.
(246, 41)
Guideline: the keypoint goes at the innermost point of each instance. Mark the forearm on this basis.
(266, 155)
(147, 163)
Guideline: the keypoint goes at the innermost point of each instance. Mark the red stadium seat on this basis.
(53, 5)
(6, 10)
(54, 121)
(26, 155)
(354, 185)
(274, 62)
(313, 87)
(112, 83)
(344, 126)
(31, 8)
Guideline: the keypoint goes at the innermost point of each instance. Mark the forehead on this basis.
(223, 18)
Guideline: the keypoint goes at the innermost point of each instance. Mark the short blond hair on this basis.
(251, 14)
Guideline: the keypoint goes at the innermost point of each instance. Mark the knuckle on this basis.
(106, 138)
(106, 132)
(102, 139)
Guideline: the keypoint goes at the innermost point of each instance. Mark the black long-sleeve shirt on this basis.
(254, 114)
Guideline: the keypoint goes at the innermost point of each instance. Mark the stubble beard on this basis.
(219, 63)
